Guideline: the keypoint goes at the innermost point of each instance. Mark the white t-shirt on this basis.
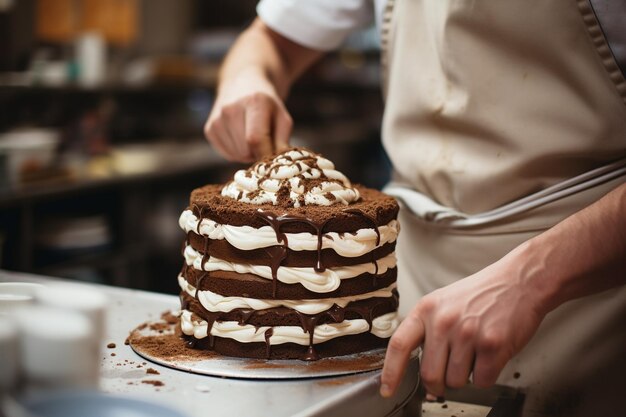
(319, 24)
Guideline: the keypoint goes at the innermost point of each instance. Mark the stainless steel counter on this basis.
(198, 395)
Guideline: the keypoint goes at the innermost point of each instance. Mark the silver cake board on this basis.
(246, 368)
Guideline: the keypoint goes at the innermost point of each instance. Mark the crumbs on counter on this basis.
(111, 345)
(154, 382)
(152, 371)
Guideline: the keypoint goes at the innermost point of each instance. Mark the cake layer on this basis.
(320, 281)
(367, 310)
(374, 207)
(221, 249)
(235, 284)
(381, 326)
(346, 244)
(335, 347)
(214, 302)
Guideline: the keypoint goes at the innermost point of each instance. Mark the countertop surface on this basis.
(126, 374)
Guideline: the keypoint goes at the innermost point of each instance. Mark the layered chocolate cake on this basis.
(289, 261)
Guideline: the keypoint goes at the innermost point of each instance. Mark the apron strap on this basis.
(428, 210)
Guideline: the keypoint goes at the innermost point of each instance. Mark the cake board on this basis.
(214, 364)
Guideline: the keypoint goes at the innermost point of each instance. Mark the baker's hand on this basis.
(248, 120)
(475, 325)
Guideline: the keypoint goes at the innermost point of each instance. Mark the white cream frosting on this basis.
(382, 326)
(248, 238)
(216, 302)
(320, 282)
(261, 183)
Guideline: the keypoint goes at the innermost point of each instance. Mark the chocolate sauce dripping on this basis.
(199, 213)
(209, 316)
(308, 323)
(268, 348)
(245, 316)
(277, 254)
(369, 218)
(205, 252)
(373, 222)
(276, 222)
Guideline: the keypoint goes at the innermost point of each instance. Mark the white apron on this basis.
(503, 118)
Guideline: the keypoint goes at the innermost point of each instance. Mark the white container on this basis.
(88, 302)
(14, 295)
(27, 149)
(57, 350)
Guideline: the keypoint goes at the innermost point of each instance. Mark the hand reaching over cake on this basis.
(289, 261)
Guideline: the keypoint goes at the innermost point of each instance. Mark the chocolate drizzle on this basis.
(209, 316)
(268, 348)
(374, 224)
(276, 255)
(369, 218)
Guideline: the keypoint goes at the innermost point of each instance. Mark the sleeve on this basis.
(316, 24)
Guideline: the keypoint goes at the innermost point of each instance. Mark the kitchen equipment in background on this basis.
(91, 58)
(79, 299)
(14, 295)
(75, 235)
(27, 151)
(56, 349)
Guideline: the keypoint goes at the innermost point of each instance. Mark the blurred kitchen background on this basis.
(102, 104)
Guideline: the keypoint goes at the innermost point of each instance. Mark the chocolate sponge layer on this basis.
(252, 286)
(338, 346)
(221, 249)
(380, 207)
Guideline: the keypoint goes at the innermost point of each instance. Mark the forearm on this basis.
(582, 255)
(263, 53)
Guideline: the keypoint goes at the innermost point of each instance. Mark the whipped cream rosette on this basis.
(289, 260)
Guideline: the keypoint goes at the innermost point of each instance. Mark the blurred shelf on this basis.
(34, 193)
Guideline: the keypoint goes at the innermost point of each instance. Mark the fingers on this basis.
(460, 365)
(282, 129)
(434, 362)
(219, 137)
(258, 126)
(249, 128)
(406, 338)
(491, 357)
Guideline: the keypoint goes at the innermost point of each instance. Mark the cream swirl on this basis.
(248, 238)
(296, 177)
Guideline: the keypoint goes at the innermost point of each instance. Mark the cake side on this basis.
(293, 269)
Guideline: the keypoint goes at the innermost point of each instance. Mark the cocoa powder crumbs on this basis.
(169, 346)
(154, 382)
(169, 318)
(112, 354)
(111, 345)
(152, 371)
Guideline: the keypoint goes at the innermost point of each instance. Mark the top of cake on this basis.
(294, 178)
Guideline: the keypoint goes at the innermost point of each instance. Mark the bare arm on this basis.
(249, 119)
(479, 323)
